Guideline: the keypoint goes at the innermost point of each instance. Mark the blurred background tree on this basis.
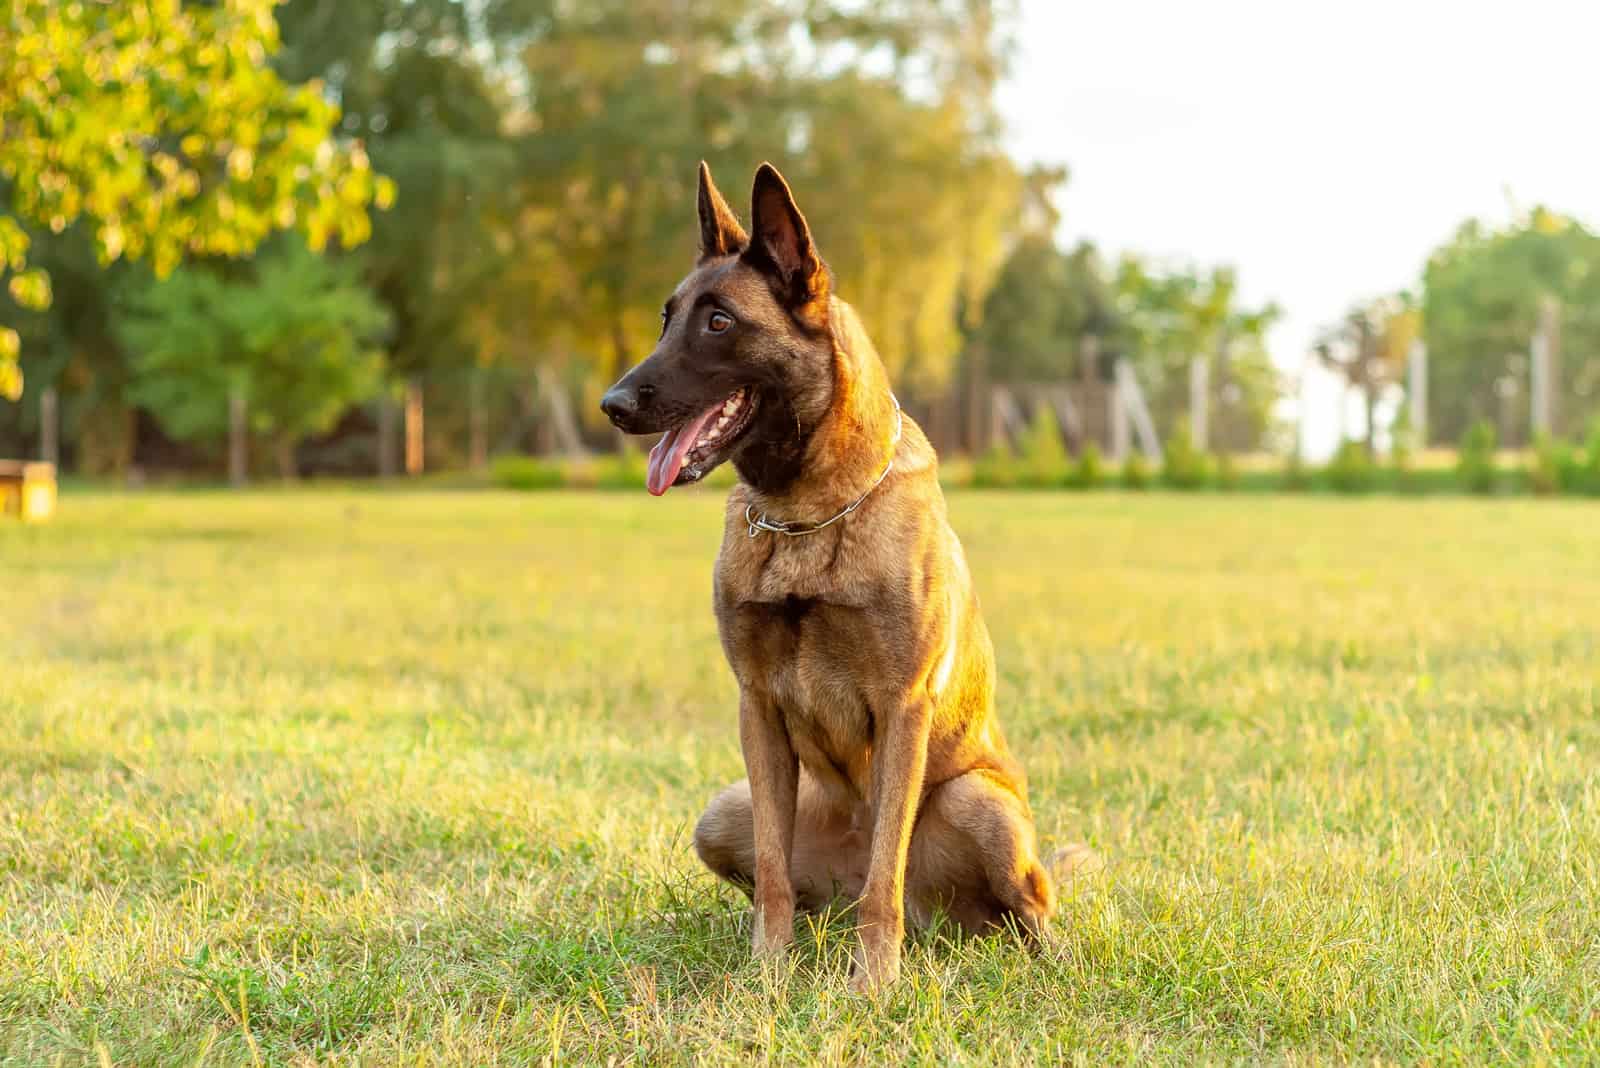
(162, 127)
(1368, 348)
(293, 335)
(544, 156)
(1481, 306)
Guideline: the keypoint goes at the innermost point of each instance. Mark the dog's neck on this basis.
(824, 467)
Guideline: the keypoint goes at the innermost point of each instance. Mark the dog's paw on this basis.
(874, 967)
(774, 930)
(764, 948)
(870, 982)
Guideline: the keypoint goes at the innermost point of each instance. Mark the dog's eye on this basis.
(719, 322)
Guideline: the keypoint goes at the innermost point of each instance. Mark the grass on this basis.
(344, 776)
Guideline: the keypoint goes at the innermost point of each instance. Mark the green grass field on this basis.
(343, 775)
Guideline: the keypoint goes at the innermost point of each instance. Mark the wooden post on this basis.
(1417, 392)
(1199, 401)
(1544, 374)
(1538, 384)
(1132, 404)
(1089, 358)
(414, 427)
(977, 386)
(1117, 414)
(385, 435)
(477, 424)
(238, 440)
(50, 426)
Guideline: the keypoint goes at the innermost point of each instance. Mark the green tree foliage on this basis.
(424, 84)
(547, 153)
(295, 334)
(161, 126)
(1481, 298)
(1168, 317)
(907, 190)
(1046, 303)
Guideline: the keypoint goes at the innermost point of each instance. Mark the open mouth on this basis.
(689, 451)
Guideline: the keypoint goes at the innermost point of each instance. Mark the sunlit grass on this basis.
(362, 776)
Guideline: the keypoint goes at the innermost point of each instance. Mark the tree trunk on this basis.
(619, 347)
(1369, 394)
(50, 426)
(283, 448)
(105, 444)
(385, 435)
(414, 427)
(477, 424)
(562, 425)
(238, 440)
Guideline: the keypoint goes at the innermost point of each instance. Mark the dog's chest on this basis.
(808, 657)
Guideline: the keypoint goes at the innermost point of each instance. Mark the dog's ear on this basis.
(720, 232)
(781, 246)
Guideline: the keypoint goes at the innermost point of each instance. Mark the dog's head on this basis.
(743, 369)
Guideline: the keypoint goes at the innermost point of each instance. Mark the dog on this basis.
(877, 768)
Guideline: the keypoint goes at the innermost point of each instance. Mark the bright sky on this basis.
(1322, 149)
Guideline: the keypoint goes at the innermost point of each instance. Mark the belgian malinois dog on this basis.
(876, 765)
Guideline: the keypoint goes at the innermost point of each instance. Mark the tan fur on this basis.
(876, 765)
(877, 769)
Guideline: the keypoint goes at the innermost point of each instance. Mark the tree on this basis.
(161, 125)
(1481, 303)
(908, 192)
(1369, 348)
(422, 83)
(294, 334)
(1043, 304)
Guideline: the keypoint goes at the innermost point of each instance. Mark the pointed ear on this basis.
(781, 246)
(720, 232)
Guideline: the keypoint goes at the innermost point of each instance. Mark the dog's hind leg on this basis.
(973, 857)
(829, 856)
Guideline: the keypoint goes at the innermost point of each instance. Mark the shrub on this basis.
(995, 469)
(1584, 474)
(1475, 468)
(1227, 472)
(1403, 439)
(1554, 468)
(1090, 471)
(1296, 479)
(1351, 470)
(1186, 467)
(1135, 472)
(526, 473)
(1044, 460)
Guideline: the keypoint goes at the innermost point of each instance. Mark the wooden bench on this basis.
(27, 490)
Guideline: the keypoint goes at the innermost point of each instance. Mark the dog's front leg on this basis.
(770, 761)
(899, 761)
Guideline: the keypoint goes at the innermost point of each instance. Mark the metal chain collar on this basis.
(759, 523)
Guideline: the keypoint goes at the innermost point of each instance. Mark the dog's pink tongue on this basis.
(666, 459)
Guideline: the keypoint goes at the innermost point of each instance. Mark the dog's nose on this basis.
(620, 404)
